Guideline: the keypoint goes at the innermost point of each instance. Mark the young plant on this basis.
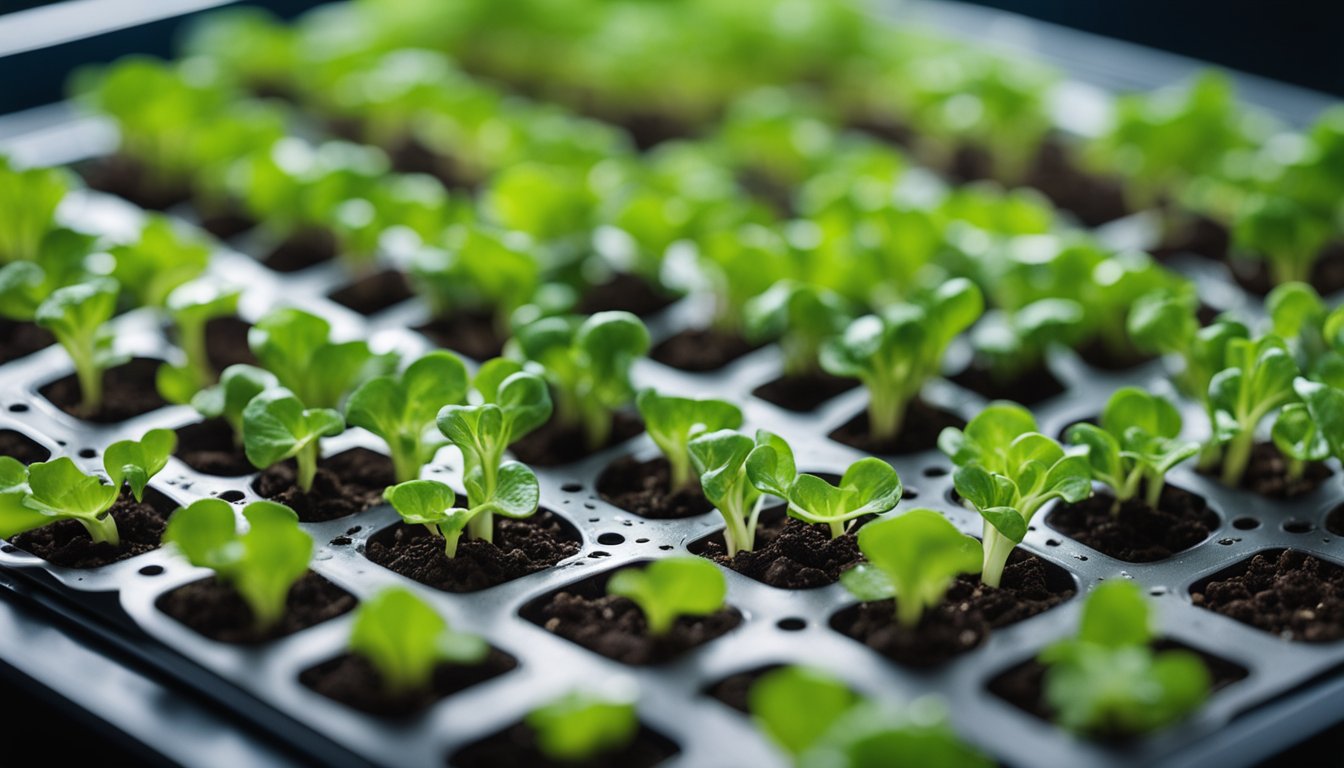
(1137, 443)
(670, 588)
(433, 504)
(77, 316)
(1257, 379)
(163, 258)
(277, 426)
(1313, 429)
(587, 363)
(869, 487)
(912, 557)
(24, 285)
(191, 306)
(896, 352)
(1283, 233)
(1011, 344)
(672, 422)
(261, 564)
(583, 725)
(227, 400)
(134, 462)
(721, 459)
(480, 270)
(405, 639)
(296, 346)
(29, 197)
(1108, 681)
(401, 408)
(51, 491)
(801, 316)
(1008, 470)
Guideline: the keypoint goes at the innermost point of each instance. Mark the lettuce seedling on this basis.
(1313, 429)
(164, 257)
(191, 306)
(433, 504)
(721, 459)
(1282, 232)
(405, 639)
(296, 346)
(29, 197)
(1108, 681)
(401, 409)
(1257, 379)
(262, 564)
(587, 363)
(896, 352)
(24, 285)
(737, 264)
(479, 270)
(1313, 331)
(583, 725)
(801, 316)
(912, 557)
(51, 491)
(1008, 470)
(672, 422)
(1137, 443)
(869, 486)
(277, 426)
(1010, 344)
(77, 316)
(227, 400)
(134, 462)
(668, 589)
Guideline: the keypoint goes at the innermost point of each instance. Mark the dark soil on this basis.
(410, 155)
(805, 392)
(789, 553)
(1032, 386)
(216, 610)
(1285, 592)
(347, 483)
(22, 447)
(67, 543)
(919, 432)
(1098, 354)
(614, 627)
(1327, 275)
(226, 342)
(735, 690)
(354, 682)
(625, 292)
(701, 350)
(554, 443)
(1023, 685)
(521, 547)
(883, 126)
(128, 391)
(516, 747)
(1201, 236)
(301, 250)
(128, 178)
(229, 222)
(473, 333)
(1094, 199)
(208, 447)
(965, 617)
(18, 339)
(373, 293)
(1137, 533)
(1267, 474)
(642, 488)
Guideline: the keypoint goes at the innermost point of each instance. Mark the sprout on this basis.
(912, 557)
(405, 639)
(135, 462)
(55, 490)
(24, 285)
(29, 198)
(261, 564)
(869, 486)
(1285, 234)
(191, 306)
(401, 409)
(431, 503)
(77, 316)
(480, 270)
(1011, 344)
(164, 257)
(228, 399)
(668, 589)
(802, 317)
(721, 459)
(296, 347)
(672, 422)
(276, 426)
(583, 725)
(1136, 444)
(1257, 379)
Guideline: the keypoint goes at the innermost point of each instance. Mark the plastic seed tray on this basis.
(228, 704)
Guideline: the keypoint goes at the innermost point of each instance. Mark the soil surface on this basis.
(1094, 199)
(735, 690)
(1201, 237)
(208, 447)
(410, 155)
(229, 222)
(516, 747)
(19, 339)
(1267, 474)
(19, 446)
(347, 483)
(1098, 354)
(128, 391)
(1327, 274)
(789, 553)
(127, 178)
(1137, 533)
(964, 618)
(626, 292)
(1285, 592)
(554, 443)
(66, 543)
(521, 547)
(805, 392)
(355, 682)
(642, 488)
(1032, 386)
(216, 610)
(373, 293)
(226, 342)
(473, 333)
(919, 432)
(700, 350)
(301, 250)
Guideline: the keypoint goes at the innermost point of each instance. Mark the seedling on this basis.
(29, 198)
(191, 306)
(164, 257)
(869, 486)
(721, 459)
(737, 264)
(1011, 344)
(672, 422)
(227, 400)
(583, 725)
(896, 352)
(277, 426)
(433, 504)
(1315, 435)
(77, 316)
(24, 285)
(1108, 681)
(406, 639)
(912, 557)
(401, 409)
(134, 462)
(1007, 470)
(480, 270)
(802, 317)
(1257, 379)
(262, 564)
(587, 363)
(1283, 233)
(1137, 443)
(51, 491)
(668, 589)
(296, 347)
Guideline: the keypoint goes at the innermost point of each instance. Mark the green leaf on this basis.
(670, 588)
(58, 489)
(720, 458)
(405, 639)
(1115, 615)
(177, 384)
(134, 463)
(672, 422)
(238, 384)
(295, 346)
(402, 409)
(796, 706)
(206, 533)
(770, 465)
(581, 726)
(869, 487)
(516, 494)
(1325, 405)
(920, 553)
(30, 197)
(164, 257)
(77, 316)
(15, 518)
(276, 427)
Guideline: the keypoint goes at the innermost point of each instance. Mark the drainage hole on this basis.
(231, 496)
(1298, 526)
(87, 453)
(18, 408)
(611, 539)
(792, 624)
(572, 487)
(151, 570)
(1245, 523)
(909, 493)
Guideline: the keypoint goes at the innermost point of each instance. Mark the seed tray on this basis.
(1290, 689)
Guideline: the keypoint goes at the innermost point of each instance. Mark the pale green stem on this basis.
(1237, 456)
(997, 549)
(103, 530)
(306, 459)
